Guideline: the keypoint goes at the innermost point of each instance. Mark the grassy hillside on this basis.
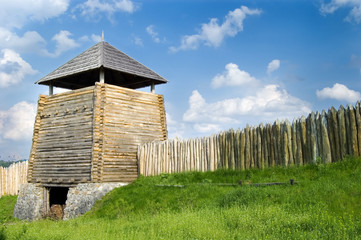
(324, 204)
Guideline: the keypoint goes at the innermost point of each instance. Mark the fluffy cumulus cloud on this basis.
(151, 31)
(94, 8)
(213, 33)
(354, 14)
(32, 42)
(13, 68)
(339, 92)
(273, 66)
(232, 76)
(267, 103)
(64, 42)
(16, 13)
(17, 122)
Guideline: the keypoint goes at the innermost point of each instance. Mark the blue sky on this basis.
(228, 62)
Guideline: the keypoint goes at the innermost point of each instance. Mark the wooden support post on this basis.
(101, 75)
(152, 88)
(51, 89)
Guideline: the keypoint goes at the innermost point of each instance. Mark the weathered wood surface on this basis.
(326, 137)
(130, 118)
(92, 134)
(12, 177)
(62, 141)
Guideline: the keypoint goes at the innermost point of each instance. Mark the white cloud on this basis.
(206, 127)
(63, 43)
(150, 30)
(96, 38)
(94, 8)
(339, 92)
(213, 34)
(175, 128)
(17, 123)
(269, 101)
(125, 5)
(273, 66)
(13, 68)
(232, 76)
(16, 13)
(333, 5)
(265, 104)
(138, 41)
(30, 42)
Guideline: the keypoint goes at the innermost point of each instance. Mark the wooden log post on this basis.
(353, 131)
(319, 135)
(294, 141)
(299, 142)
(304, 140)
(272, 146)
(325, 139)
(311, 137)
(348, 132)
(276, 142)
(260, 146)
(247, 148)
(289, 142)
(284, 145)
(336, 133)
(238, 148)
(342, 131)
(243, 150)
(253, 147)
(358, 123)
(331, 135)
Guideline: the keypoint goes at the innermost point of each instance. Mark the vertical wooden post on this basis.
(51, 89)
(101, 75)
(152, 88)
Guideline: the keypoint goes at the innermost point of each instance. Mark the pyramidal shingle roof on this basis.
(119, 69)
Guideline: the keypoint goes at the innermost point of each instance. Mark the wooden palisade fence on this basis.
(326, 137)
(321, 137)
(12, 177)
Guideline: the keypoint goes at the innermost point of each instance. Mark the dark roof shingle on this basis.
(119, 68)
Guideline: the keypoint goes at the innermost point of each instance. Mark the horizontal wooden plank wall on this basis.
(92, 134)
(321, 137)
(63, 139)
(12, 177)
(126, 118)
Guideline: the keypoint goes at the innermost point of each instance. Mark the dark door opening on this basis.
(57, 200)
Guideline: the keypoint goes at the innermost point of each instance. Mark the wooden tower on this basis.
(91, 134)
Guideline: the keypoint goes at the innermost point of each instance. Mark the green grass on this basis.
(325, 204)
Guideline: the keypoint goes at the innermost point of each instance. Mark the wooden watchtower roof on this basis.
(118, 68)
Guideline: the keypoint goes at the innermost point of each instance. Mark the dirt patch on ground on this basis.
(57, 211)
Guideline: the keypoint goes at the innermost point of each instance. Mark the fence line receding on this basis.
(321, 137)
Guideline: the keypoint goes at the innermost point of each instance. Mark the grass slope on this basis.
(325, 204)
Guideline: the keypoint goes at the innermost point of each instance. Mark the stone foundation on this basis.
(33, 201)
(30, 202)
(82, 197)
